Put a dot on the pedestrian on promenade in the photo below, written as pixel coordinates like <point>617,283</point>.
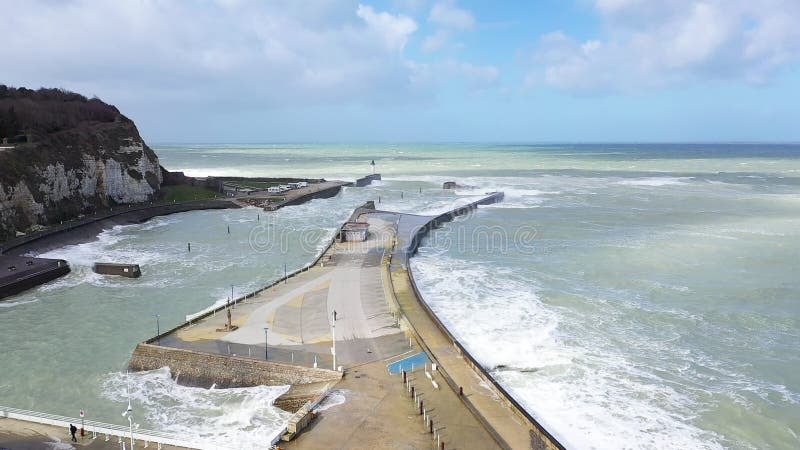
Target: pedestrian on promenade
<point>334,315</point>
<point>72,430</point>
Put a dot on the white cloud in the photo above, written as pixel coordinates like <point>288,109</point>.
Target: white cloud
<point>477,77</point>
<point>449,19</point>
<point>257,53</point>
<point>658,43</point>
<point>393,29</point>
<point>448,15</point>
<point>436,41</point>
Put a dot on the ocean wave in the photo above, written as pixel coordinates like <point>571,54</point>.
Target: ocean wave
<point>587,396</point>
<point>655,181</point>
<point>10,304</point>
<point>334,398</point>
<point>229,418</point>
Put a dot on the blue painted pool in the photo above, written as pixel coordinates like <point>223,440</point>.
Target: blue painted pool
<point>413,361</point>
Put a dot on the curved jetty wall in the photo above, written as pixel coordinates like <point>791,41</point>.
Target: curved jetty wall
<point>540,437</point>
<point>422,231</point>
<point>205,369</point>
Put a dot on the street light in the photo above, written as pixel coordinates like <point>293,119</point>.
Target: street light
<point>129,411</point>
<point>266,347</point>
<point>129,414</point>
<point>158,329</point>
<point>333,338</point>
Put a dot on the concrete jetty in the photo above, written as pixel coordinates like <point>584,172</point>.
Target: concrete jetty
<point>18,273</point>
<point>351,314</point>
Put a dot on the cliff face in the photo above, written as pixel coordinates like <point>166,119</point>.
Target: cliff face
<point>66,155</point>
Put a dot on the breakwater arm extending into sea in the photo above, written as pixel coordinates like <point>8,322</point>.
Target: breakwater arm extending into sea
<point>411,230</point>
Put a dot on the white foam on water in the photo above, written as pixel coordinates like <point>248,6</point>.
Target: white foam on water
<point>655,181</point>
<point>587,396</point>
<point>334,398</point>
<point>56,444</point>
<point>9,304</point>
<point>229,418</point>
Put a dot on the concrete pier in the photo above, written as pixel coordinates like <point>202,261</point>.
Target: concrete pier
<point>18,273</point>
<point>380,318</point>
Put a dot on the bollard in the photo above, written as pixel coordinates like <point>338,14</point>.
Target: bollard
<point>430,425</point>
<point>420,406</point>
<point>412,391</point>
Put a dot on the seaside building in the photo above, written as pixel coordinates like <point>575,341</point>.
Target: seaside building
<point>354,232</point>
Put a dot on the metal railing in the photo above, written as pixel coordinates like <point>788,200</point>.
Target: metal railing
<point>105,431</point>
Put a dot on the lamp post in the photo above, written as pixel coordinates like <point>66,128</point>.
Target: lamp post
<point>266,346</point>
<point>129,410</point>
<point>284,274</point>
<point>333,338</point>
<point>129,413</point>
<point>158,329</point>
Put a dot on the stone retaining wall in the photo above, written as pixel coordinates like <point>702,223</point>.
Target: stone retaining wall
<point>205,369</point>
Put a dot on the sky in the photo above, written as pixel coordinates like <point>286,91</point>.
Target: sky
<point>250,71</point>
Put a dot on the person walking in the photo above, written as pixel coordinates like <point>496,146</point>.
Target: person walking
<point>72,430</point>
<point>334,315</point>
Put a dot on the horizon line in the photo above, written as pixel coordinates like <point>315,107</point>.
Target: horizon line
<point>703,142</point>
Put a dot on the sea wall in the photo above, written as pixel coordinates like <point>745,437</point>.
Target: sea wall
<point>205,369</point>
<point>25,277</point>
<point>540,437</point>
<point>367,180</point>
<point>118,215</point>
<point>324,193</point>
<point>422,231</point>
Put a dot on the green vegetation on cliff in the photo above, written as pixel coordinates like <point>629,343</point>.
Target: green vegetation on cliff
<point>67,155</point>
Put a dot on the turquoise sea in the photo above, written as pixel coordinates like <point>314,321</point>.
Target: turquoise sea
<point>656,306</point>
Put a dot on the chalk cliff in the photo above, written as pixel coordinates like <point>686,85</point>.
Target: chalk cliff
<point>63,155</point>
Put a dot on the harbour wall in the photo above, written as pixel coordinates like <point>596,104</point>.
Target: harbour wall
<point>116,216</point>
<point>324,193</point>
<point>423,230</point>
<point>367,180</point>
<point>19,280</point>
<point>192,368</point>
<point>540,437</point>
